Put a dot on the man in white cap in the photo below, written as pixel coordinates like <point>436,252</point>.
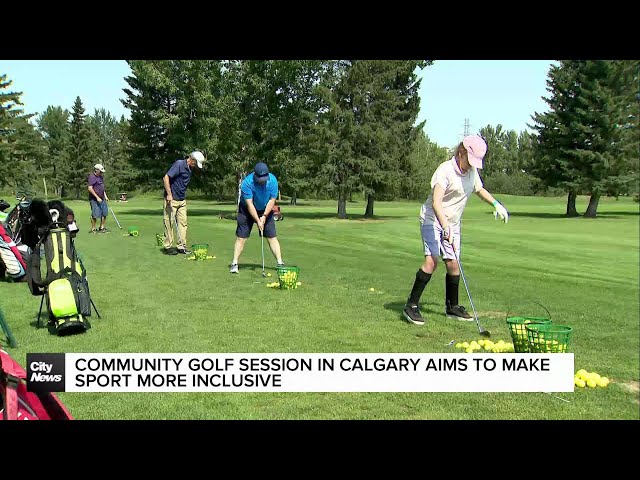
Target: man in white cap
<point>175,202</point>
<point>98,199</point>
<point>440,220</point>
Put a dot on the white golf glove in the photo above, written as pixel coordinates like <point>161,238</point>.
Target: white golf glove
<point>501,212</point>
<point>447,234</point>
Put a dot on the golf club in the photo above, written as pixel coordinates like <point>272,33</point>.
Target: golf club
<point>262,242</point>
<point>482,331</point>
<point>114,215</point>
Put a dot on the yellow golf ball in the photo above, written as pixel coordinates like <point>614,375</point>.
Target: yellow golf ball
<point>578,382</point>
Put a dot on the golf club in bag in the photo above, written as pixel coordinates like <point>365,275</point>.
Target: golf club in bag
<point>482,331</point>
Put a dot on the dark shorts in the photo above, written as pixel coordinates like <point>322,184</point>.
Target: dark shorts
<point>246,222</point>
<point>98,210</point>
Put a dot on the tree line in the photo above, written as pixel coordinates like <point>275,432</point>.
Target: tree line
<point>327,129</point>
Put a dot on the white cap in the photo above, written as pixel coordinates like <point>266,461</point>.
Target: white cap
<point>98,166</point>
<point>198,157</point>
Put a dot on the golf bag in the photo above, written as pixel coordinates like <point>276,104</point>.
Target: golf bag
<point>20,404</point>
<point>65,287</point>
<point>11,260</point>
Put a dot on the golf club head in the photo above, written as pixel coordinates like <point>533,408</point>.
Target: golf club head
<point>264,274</point>
<point>485,333</point>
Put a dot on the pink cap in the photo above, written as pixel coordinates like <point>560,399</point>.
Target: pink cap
<point>476,149</point>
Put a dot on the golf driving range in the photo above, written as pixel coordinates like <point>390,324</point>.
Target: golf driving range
<point>352,284</point>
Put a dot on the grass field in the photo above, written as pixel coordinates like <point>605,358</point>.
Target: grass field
<point>585,271</point>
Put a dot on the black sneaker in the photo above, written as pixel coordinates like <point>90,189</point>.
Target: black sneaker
<point>170,251</point>
<point>184,251</point>
<point>458,312</point>
<point>412,314</point>
<point>104,230</point>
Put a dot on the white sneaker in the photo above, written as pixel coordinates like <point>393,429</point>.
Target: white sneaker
<point>234,268</point>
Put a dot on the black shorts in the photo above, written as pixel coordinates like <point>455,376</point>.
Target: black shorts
<point>246,222</point>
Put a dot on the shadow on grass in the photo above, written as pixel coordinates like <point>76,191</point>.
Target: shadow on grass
<point>425,308</point>
<point>332,216</point>
<point>44,323</point>
<point>256,267</point>
<point>615,214</point>
<point>191,212</point>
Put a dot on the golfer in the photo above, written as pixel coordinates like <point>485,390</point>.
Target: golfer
<point>259,192</point>
<point>175,202</point>
<point>98,199</point>
<point>440,224</point>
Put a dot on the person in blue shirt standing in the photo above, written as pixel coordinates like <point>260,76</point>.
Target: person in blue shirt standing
<point>259,192</point>
<point>175,202</point>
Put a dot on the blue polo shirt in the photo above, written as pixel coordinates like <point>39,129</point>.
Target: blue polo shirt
<point>179,177</point>
<point>261,194</point>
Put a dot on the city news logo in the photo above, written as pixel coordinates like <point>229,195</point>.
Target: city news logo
<point>45,372</point>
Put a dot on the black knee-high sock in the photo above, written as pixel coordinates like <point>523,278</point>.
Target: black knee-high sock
<point>419,285</point>
<point>452,284</point>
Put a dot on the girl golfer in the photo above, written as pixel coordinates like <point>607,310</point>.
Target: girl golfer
<point>440,219</point>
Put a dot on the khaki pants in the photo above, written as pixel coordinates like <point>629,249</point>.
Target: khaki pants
<point>177,209</point>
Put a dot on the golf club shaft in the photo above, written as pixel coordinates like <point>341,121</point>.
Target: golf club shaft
<point>475,315</point>
<point>262,242</point>
<point>464,280</point>
<point>114,215</point>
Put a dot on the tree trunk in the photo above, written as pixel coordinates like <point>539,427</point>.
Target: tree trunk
<point>593,206</point>
<point>342,205</point>
<point>369,211</point>
<point>571,205</point>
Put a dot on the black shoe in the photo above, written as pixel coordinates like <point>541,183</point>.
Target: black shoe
<point>93,231</point>
<point>184,251</point>
<point>458,312</point>
<point>412,314</point>
<point>170,251</point>
<point>104,230</point>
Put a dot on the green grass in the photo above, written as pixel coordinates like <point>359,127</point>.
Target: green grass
<point>585,271</point>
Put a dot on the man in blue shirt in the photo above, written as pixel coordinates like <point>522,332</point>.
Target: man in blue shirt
<point>259,192</point>
<point>175,202</point>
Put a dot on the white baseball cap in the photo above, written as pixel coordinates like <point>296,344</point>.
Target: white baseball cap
<point>98,166</point>
<point>198,157</point>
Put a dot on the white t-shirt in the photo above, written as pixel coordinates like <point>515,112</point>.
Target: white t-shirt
<point>457,187</point>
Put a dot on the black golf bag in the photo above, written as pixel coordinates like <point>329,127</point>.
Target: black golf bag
<point>65,287</point>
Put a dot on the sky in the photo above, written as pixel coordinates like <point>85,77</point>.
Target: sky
<point>484,92</point>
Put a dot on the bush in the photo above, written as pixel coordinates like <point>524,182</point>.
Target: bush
<point>512,184</point>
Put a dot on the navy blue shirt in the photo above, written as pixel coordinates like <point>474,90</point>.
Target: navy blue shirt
<point>179,177</point>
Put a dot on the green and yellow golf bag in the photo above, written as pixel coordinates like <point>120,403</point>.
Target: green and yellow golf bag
<point>65,287</point>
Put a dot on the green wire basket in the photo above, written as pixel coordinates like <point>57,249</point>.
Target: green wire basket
<point>517,327</point>
<point>288,277</point>
<point>547,338</point>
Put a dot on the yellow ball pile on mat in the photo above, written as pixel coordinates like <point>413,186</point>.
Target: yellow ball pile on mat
<point>486,346</point>
<point>582,379</point>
